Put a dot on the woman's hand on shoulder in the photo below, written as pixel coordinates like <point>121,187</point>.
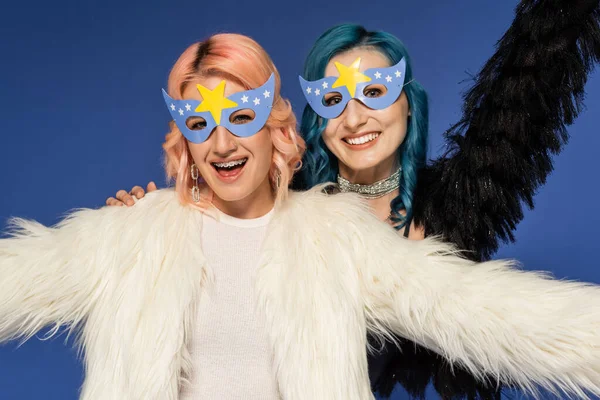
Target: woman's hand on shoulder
<point>126,198</point>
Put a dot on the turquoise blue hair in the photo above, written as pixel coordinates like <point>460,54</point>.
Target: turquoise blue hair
<point>319,164</point>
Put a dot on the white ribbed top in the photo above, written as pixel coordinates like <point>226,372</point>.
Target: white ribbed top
<point>231,354</point>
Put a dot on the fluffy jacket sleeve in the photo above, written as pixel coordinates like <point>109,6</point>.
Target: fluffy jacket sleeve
<point>53,275</point>
<point>48,275</point>
<point>520,327</point>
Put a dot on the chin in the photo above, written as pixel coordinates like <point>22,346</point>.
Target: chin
<point>367,161</point>
<point>359,164</point>
<point>232,194</point>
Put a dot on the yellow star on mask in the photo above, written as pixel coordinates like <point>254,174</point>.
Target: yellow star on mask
<point>349,76</point>
<point>214,101</point>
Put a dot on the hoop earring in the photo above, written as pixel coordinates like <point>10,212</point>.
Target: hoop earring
<point>195,189</point>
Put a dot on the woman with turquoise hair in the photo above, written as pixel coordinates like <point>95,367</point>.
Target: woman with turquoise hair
<point>514,118</point>
<point>378,150</point>
<point>366,127</point>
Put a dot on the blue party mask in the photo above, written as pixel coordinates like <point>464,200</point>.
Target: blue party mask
<point>351,84</point>
<point>216,110</point>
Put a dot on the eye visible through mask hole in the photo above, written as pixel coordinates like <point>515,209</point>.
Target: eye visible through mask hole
<point>241,117</point>
<point>376,90</point>
<point>331,99</point>
<point>195,123</point>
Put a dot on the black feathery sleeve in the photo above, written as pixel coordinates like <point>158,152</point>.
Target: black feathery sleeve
<point>514,119</point>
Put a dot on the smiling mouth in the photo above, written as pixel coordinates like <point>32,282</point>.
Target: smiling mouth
<point>229,170</point>
<point>229,165</point>
<point>362,139</point>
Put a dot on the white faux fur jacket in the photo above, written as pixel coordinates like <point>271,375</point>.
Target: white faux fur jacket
<point>130,278</point>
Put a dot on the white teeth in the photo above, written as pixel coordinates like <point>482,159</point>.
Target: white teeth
<point>362,139</point>
<point>230,164</point>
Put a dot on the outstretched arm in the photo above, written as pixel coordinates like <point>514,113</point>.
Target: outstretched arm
<point>519,327</point>
<point>50,275</point>
<point>514,119</point>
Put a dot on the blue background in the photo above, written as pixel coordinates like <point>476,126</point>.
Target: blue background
<point>82,116</point>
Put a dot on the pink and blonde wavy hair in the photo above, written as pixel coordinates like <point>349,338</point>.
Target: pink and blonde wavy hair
<point>240,59</point>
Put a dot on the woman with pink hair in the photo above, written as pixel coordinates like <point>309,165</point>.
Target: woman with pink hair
<point>228,286</point>
<point>370,135</point>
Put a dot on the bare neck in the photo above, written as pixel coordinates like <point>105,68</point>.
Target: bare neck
<point>255,205</point>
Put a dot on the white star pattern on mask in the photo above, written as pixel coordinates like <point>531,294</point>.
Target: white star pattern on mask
<point>172,106</point>
<point>325,85</point>
<point>180,111</point>
<point>317,92</point>
<point>398,74</point>
<point>266,94</point>
<point>256,101</point>
<point>388,78</point>
<point>244,99</point>
<point>308,90</point>
<point>188,107</point>
<point>377,75</point>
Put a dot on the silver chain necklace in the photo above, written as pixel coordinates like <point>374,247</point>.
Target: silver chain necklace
<point>373,190</point>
